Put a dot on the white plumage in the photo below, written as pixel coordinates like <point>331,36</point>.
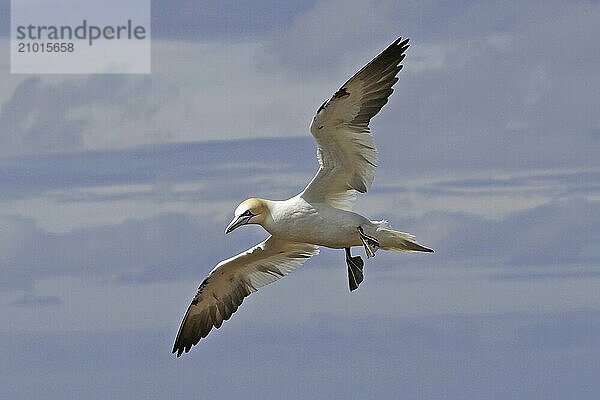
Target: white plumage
<point>321,215</point>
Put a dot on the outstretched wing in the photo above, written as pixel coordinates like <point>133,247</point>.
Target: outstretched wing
<point>346,151</point>
<point>222,292</point>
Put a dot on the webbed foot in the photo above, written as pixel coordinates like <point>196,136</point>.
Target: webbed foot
<point>355,270</point>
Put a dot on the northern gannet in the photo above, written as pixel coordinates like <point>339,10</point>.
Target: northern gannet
<point>321,215</point>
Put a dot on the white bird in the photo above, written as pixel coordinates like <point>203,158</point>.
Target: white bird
<point>321,215</point>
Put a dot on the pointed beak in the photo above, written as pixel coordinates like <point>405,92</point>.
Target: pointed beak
<point>237,222</point>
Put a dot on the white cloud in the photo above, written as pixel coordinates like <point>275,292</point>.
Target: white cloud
<point>200,91</point>
<point>332,36</point>
<point>491,97</point>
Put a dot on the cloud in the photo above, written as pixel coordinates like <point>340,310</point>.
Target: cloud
<point>213,20</point>
<point>56,116</point>
<point>446,357</point>
<point>556,233</point>
<point>489,96</point>
<point>485,85</point>
<point>170,246</point>
<point>4,18</point>
<point>222,20</point>
<point>320,39</point>
<point>202,91</point>
<point>28,123</point>
<point>73,175</point>
<point>141,247</point>
<point>492,86</point>
<point>34,301</point>
<point>132,251</point>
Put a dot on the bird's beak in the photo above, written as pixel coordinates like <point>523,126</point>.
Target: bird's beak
<point>237,222</point>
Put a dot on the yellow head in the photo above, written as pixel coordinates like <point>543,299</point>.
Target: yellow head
<point>251,211</point>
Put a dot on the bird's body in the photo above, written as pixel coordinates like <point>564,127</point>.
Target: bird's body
<point>321,215</point>
<point>320,224</point>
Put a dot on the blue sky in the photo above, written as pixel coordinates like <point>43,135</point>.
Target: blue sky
<point>116,190</point>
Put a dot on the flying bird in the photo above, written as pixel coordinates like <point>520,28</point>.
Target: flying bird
<point>321,215</point>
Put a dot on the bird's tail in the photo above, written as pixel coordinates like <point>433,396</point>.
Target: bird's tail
<point>390,239</point>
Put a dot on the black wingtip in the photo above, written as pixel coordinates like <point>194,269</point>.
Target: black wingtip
<point>181,350</point>
<point>176,347</point>
<point>403,44</point>
<point>400,41</point>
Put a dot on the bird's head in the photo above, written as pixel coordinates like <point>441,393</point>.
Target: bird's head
<point>251,211</point>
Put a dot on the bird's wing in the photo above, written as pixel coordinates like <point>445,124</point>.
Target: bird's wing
<point>222,292</point>
<point>346,152</point>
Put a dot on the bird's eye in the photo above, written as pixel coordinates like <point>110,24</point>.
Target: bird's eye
<point>247,213</point>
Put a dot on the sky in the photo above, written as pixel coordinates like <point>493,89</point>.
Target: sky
<point>116,190</point>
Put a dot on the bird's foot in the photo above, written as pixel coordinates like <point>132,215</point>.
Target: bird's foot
<point>355,270</point>
<point>370,244</point>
